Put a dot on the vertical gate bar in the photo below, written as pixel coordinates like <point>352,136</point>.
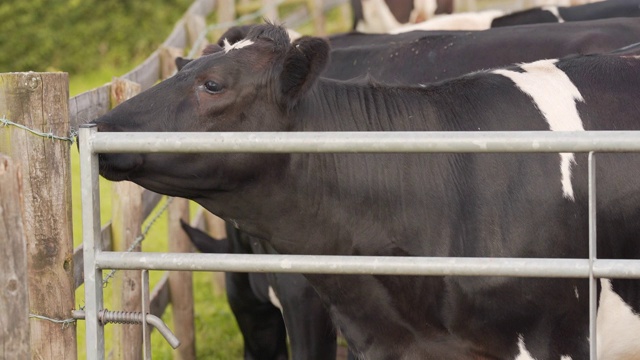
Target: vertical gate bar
<point>92,243</point>
<point>146,329</point>
<point>592,256</point>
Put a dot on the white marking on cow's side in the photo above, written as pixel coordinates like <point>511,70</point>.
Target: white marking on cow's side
<point>239,45</point>
<point>461,21</point>
<point>618,326</point>
<point>575,291</point>
<point>523,353</point>
<point>423,10</point>
<point>554,11</point>
<point>274,299</point>
<point>555,96</point>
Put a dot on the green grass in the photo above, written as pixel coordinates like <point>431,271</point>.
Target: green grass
<point>217,335</point>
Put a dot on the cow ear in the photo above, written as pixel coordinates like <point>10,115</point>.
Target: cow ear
<point>303,63</point>
<point>235,34</point>
<point>181,62</point>
<point>211,49</point>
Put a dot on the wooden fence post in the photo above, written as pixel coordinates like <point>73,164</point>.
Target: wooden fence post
<point>181,282</point>
<point>346,16</point>
<point>168,55</point>
<point>40,101</point>
<point>270,10</point>
<point>316,10</point>
<point>226,12</point>
<point>126,219</point>
<point>216,228</point>
<point>196,25</point>
<point>14,292</point>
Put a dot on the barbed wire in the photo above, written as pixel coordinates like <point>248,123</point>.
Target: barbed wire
<point>139,238</point>
<point>242,19</point>
<point>71,138</point>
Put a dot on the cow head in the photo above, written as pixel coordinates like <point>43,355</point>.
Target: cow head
<point>252,85</point>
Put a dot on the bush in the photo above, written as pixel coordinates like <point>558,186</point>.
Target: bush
<point>82,35</point>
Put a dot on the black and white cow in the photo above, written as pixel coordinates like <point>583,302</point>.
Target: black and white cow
<point>255,301</point>
<point>553,14</point>
<point>547,14</point>
<point>380,16</point>
<point>428,56</point>
<point>525,205</point>
<point>423,57</point>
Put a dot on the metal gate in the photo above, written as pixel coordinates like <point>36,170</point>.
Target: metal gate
<point>95,260</point>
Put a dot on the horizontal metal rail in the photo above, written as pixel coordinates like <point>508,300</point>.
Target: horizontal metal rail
<point>370,142</point>
<point>349,142</point>
<point>382,265</point>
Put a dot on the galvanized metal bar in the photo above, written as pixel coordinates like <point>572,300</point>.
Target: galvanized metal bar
<point>370,142</point>
<point>92,244</point>
<point>146,329</point>
<point>593,285</point>
<point>389,265</point>
<point>384,265</point>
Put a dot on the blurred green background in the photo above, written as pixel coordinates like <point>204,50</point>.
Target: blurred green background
<point>78,36</point>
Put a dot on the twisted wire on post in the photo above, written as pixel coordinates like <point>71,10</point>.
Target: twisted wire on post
<point>71,138</point>
<point>140,237</point>
<point>64,322</point>
<point>244,18</point>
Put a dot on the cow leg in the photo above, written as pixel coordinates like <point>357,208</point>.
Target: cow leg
<point>261,324</point>
<point>311,331</point>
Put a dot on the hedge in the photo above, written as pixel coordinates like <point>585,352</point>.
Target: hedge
<point>82,35</point>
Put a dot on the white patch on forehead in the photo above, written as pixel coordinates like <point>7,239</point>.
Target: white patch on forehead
<point>274,299</point>
<point>554,11</point>
<point>575,291</point>
<point>618,326</point>
<point>555,96</point>
<point>239,45</point>
<point>523,353</point>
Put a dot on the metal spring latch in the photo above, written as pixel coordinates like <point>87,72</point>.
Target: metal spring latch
<point>130,317</point>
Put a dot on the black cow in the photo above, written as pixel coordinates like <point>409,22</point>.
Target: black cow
<point>474,205</point>
<point>553,14</point>
<point>422,57</point>
<point>255,301</point>
<point>428,56</point>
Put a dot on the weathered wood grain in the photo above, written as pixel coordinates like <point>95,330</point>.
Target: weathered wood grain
<point>40,102</point>
<point>14,292</point>
<point>181,282</point>
<point>126,220</point>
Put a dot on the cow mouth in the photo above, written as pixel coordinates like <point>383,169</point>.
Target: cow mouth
<point>118,167</point>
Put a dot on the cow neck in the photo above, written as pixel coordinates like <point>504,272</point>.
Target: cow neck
<point>342,106</point>
<point>317,195</point>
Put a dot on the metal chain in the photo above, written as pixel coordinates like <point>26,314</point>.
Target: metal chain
<point>72,136</point>
<point>140,237</point>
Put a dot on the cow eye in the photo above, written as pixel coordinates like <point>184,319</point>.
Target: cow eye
<point>212,87</point>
